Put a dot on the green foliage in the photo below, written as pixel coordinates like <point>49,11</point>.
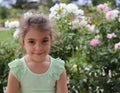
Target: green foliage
<point>77,72</point>
<point>43,9</point>
<point>8,52</point>
<point>64,1</point>
<point>96,2</point>
<point>1,22</point>
<point>4,12</point>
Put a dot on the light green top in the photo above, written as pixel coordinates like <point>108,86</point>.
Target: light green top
<point>37,83</point>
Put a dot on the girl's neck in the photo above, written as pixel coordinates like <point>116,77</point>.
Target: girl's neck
<point>29,59</point>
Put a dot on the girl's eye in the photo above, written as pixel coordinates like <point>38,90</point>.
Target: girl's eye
<point>32,42</point>
<point>45,41</point>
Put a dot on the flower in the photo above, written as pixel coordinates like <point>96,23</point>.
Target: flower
<point>102,8</point>
<point>75,23</point>
<point>27,14</point>
<point>111,35</point>
<point>119,19</point>
<point>12,24</point>
<point>58,11</point>
<point>62,10</point>
<point>71,8</point>
<point>117,45</point>
<point>68,14</point>
<point>90,27</point>
<point>7,23</point>
<point>74,67</point>
<point>112,14</point>
<point>15,34</point>
<point>94,42</point>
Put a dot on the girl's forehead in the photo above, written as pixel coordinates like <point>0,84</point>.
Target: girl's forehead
<point>37,34</point>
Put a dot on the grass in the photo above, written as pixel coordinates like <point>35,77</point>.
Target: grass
<point>6,35</point>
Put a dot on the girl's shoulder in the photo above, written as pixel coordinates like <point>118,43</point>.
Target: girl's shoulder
<point>17,67</point>
<point>16,63</point>
<point>57,67</point>
<point>58,62</point>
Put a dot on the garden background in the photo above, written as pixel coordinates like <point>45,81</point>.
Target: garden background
<point>88,41</point>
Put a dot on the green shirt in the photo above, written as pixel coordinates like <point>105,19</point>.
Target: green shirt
<point>37,83</point>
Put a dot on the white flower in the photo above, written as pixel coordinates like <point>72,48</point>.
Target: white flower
<point>75,23</point>
<point>58,6</point>
<point>83,22</point>
<point>110,73</point>
<point>57,11</point>
<point>62,10</point>
<point>103,72</point>
<point>90,27</point>
<point>7,24</point>
<point>102,90</point>
<point>15,34</point>
<point>88,68</point>
<point>97,31</point>
<point>108,81</point>
<point>71,8</point>
<point>27,14</point>
<point>79,12</point>
<point>119,19</point>
<point>12,24</point>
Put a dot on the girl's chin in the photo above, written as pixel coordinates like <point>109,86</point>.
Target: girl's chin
<point>39,56</point>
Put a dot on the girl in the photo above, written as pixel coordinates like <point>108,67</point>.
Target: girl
<point>37,71</point>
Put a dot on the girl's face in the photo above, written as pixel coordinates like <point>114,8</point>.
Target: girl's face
<point>37,44</point>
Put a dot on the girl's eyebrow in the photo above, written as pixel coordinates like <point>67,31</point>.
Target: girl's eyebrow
<point>34,39</point>
<point>45,38</point>
<point>31,39</point>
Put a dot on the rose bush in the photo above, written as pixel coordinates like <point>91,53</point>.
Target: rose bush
<point>71,23</point>
<point>90,45</point>
<point>106,55</point>
<point>74,29</point>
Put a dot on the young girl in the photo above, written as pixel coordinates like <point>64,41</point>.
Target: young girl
<point>37,71</point>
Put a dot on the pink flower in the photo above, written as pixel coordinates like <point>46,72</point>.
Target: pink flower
<point>117,45</point>
<point>110,36</point>
<point>94,42</point>
<point>111,15</point>
<point>102,8</point>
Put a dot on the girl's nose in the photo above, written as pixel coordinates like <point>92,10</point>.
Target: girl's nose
<point>38,47</point>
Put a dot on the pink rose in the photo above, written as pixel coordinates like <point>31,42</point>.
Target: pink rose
<point>94,42</point>
<point>111,35</point>
<point>111,15</point>
<point>117,45</point>
<point>102,7</point>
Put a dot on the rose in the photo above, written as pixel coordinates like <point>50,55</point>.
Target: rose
<point>112,14</point>
<point>110,36</point>
<point>94,42</point>
<point>117,45</point>
<point>12,24</point>
<point>102,8</point>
